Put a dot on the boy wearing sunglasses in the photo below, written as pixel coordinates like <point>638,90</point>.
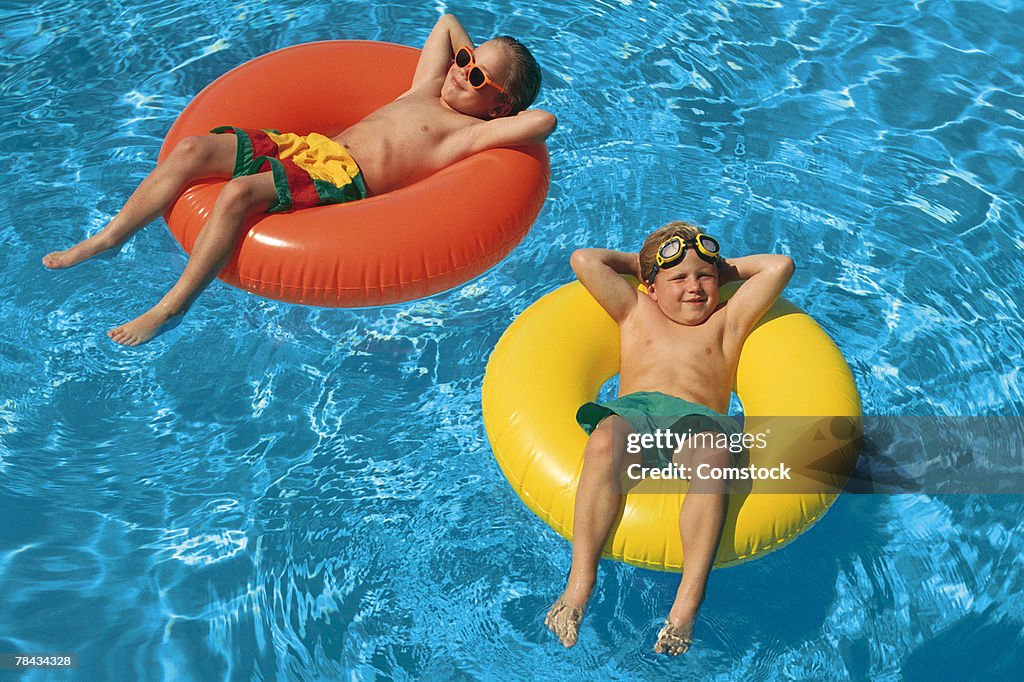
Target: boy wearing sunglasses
<point>680,346</point>
<point>462,100</point>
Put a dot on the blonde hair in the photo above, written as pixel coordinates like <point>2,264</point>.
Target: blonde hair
<point>523,77</point>
<point>649,251</point>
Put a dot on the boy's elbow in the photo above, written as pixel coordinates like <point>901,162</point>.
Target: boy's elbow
<point>548,123</point>
<point>449,21</point>
<point>785,266</point>
<point>579,259</point>
<point>542,124</point>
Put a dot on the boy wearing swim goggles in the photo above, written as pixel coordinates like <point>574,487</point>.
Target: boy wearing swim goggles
<point>680,345</point>
<point>462,100</point>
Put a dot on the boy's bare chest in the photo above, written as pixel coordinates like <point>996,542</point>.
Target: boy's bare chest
<point>689,362</point>
<point>402,142</point>
<point>677,344</point>
<point>412,120</point>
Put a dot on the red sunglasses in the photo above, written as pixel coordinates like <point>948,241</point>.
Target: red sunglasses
<point>477,77</point>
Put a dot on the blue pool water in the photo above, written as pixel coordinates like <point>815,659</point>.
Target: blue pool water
<point>280,492</point>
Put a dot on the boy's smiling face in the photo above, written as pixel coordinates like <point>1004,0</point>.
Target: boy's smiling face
<point>487,102</point>
<point>687,293</point>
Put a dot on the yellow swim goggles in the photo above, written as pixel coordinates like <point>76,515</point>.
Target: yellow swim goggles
<point>673,250</point>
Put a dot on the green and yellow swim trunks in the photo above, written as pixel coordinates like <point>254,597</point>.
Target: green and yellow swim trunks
<point>309,170</point>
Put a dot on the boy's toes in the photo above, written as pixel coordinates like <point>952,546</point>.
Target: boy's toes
<point>674,639</point>
<point>121,336</point>
<point>564,621</point>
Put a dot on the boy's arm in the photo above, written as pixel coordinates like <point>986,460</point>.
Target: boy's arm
<point>600,270</point>
<point>439,50</point>
<point>766,276</point>
<point>526,127</point>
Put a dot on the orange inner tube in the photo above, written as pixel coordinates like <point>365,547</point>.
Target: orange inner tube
<point>398,246</point>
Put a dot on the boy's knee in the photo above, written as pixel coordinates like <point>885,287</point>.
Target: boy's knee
<point>239,195</point>
<point>713,458</point>
<point>194,147</point>
<point>607,444</point>
<point>710,465</point>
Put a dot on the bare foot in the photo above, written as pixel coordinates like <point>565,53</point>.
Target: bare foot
<point>564,620</point>
<point>674,639</point>
<point>83,250</point>
<point>144,327</point>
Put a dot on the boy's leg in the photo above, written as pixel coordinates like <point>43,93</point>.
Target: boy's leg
<point>192,158</point>
<point>599,499</point>
<point>239,198</point>
<point>700,526</point>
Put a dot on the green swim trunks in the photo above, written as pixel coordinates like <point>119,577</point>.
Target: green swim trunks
<point>649,412</point>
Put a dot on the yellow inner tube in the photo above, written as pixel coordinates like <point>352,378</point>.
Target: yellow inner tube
<point>793,383</point>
